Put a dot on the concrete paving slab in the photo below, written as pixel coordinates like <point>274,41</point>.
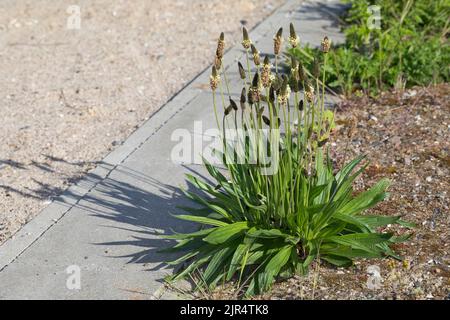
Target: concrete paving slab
<point>106,227</point>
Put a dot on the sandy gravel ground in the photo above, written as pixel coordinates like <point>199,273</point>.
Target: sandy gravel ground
<point>68,95</point>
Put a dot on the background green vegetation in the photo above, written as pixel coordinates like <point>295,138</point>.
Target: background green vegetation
<point>410,48</point>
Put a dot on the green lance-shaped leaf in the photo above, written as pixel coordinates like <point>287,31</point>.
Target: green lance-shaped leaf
<point>225,233</point>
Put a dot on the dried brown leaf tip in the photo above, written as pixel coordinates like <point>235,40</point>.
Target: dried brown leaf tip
<point>246,42</point>
<point>214,79</point>
<point>277,41</point>
<point>326,45</point>
<point>256,57</point>
<point>294,40</point>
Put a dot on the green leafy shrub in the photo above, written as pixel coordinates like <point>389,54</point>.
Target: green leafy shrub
<point>410,48</point>
<point>258,225</point>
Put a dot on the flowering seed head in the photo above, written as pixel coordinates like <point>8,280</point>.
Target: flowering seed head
<point>266,76</point>
<point>246,42</point>
<point>277,41</point>
<point>279,33</point>
<point>253,95</point>
<point>266,120</point>
<point>292,32</point>
<point>255,81</point>
<point>220,46</point>
<point>214,79</point>
<point>285,91</point>
<point>309,93</point>
<point>218,62</point>
<point>294,40</point>
<point>255,53</point>
<point>326,44</point>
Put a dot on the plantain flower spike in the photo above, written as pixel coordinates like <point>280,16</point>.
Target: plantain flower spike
<point>277,41</point>
<point>309,92</point>
<point>218,62</point>
<point>266,78</point>
<point>254,93</point>
<point>246,42</point>
<point>214,79</point>
<point>326,44</point>
<point>220,46</point>
<point>285,91</point>
<point>266,120</point>
<point>256,57</point>
<point>294,40</point>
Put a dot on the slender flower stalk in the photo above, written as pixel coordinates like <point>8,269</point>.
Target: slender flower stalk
<point>247,44</point>
<point>214,80</point>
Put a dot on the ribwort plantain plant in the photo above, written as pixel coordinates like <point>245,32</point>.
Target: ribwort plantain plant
<point>256,223</point>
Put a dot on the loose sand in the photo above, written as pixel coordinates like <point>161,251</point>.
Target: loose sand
<point>68,96</point>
